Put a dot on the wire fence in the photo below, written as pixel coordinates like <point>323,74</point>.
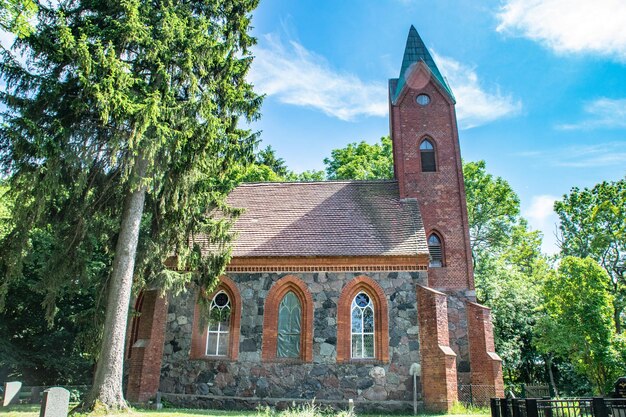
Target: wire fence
<point>476,395</point>
<point>572,407</point>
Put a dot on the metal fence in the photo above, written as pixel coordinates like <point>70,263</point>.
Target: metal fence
<point>579,407</point>
<point>478,395</point>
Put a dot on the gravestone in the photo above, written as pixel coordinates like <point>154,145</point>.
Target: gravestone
<point>35,395</point>
<point>12,393</point>
<point>55,403</point>
<point>620,388</point>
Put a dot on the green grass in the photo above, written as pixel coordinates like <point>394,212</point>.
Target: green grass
<point>305,411</point>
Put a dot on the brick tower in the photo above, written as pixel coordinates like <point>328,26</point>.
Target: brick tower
<point>458,345</point>
<point>427,163</point>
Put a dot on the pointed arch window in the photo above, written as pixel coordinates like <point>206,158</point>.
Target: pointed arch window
<point>435,248</point>
<point>288,322</point>
<point>362,327</point>
<point>289,327</point>
<point>218,332</point>
<point>217,336</point>
<point>427,155</point>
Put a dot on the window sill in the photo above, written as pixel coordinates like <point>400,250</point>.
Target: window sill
<point>293,361</point>
<point>353,361</point>
<point>207,358</point>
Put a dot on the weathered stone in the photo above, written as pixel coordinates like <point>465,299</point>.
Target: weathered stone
<point>55,402</point>
<point>327,349</point>
<point>12,393</point>
<point>413,330</point>
<point>375,393</point>
<point>181,320</point>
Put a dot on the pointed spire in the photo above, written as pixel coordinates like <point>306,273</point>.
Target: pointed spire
<point>414,52</point>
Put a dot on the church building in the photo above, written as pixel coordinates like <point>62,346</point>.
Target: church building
<point>337,290</point>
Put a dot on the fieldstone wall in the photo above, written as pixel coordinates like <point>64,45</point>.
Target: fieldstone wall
<point>323,378</point>
<point>457,325</point>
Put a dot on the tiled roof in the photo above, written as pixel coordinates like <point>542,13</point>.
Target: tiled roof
<point>414,52</point>
<point>330,218</point>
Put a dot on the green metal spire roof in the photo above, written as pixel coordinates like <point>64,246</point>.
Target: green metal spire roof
<point>414,52</point>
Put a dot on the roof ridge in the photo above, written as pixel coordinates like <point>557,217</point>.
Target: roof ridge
<point>261,183</point>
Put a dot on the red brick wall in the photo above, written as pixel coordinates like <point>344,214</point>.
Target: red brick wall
<point>440,194</point>
<point>381,319</point>
<point>147,351</point>
<point>270,318</point>
<point>486,365</point>
<point>439,379</point>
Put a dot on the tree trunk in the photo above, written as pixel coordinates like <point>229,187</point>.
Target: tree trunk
<point>107,385</point>
<point>551,376</point>
<point>617,317</point>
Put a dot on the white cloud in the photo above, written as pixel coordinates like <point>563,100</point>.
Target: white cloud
<point>602,113</point>
<point>582,156</point>
<point>569,26</point>
<point>541,216</point>
<point>475,105</point>
<point>297,76</point>
<point>300,77</point>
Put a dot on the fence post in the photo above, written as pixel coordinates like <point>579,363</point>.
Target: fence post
<point>516,410</point>
<point>495,410</point>
<point>504,407</point>
<point>547,411</point>
<point>524,394</point>
<point>471,395</point>
<point>599,407</point>
<point>531,407</point>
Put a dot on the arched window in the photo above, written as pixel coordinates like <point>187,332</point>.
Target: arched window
<point>362,329</point>
<point>362,322</point>
<point>219,325</point>
<point>427,155</point>
<point>436,250</point>
<point>289,326</point>
<point>288,321</point>
<point>217,336</point>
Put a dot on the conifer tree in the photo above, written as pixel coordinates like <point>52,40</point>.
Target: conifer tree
<point>120,121</point>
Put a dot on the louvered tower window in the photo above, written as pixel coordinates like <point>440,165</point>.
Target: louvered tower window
<point>427,155</point>
<point>436,251</point>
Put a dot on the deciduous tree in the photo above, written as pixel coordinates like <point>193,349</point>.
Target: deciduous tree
<point>577,321</point>
<point>593,224</point>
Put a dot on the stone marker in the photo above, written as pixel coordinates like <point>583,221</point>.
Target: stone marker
<point>12,393</point>
<point>55,403</point>
<point>35,395</point>
<point>620,388</point>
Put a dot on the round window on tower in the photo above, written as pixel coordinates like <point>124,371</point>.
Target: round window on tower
<point>422,99</point>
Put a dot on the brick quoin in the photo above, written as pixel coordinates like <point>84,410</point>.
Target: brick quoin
<point>199,332</point>
<point>440,194</point>
<point>147,351</point>
<point>344,317</point>
<point>486,365</point>
<point>439,378</point>
<point>270,318</point>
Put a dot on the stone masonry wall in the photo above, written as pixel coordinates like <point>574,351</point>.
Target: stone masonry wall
<point>367,382</point>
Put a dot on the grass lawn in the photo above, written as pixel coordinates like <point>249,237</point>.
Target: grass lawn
<point>33,411</point>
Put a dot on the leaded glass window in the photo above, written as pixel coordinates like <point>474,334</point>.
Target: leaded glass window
<point>427,155</point>
<point>219,325</point>
<point>289,327</point>
<point>362,312</point>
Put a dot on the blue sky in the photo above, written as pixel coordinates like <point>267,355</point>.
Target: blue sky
<point>540,84</point>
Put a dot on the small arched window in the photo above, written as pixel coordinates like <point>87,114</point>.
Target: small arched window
<point>362,331</point>
<point>219,326</point>
<point>289,327</point>
<point>436,251</point>
<point>427,155</point>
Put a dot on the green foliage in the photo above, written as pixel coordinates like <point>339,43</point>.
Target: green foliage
<point>593,224</point>
<point>492,209</point>
<point>126,85</point>
<point>361,161</point>
<point>577,321</point>
<point>15,16</point>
